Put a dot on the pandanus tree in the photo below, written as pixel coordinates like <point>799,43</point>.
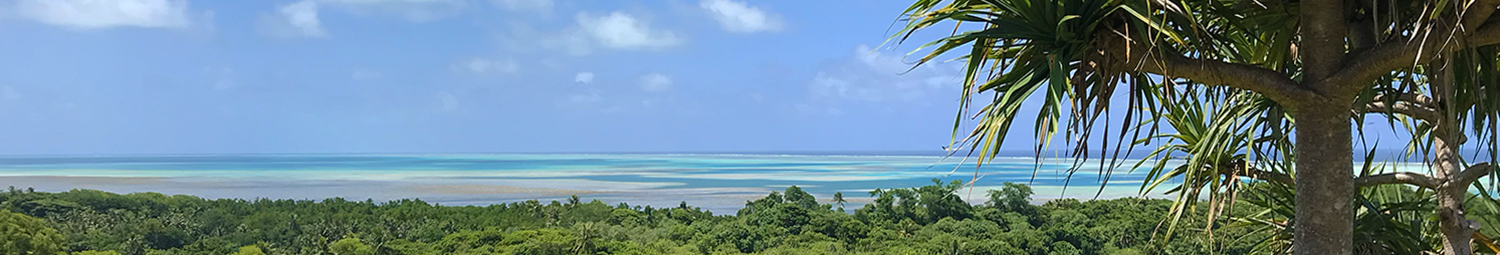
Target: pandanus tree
<point>1231,148</point>
<point>1441,105</point>
<point>1317,59</point>
<point>1215,144</point>
<point>1220,142</point>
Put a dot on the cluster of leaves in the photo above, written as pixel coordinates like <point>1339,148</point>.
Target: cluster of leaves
<point>932,219</point>
<point>1218,73</point>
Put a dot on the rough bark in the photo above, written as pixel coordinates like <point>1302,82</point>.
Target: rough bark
<point>1415,179</point>
<point>1325,187</point>
<point>1405,108</point>
<point>1451,188</point>
<point>1324,221</point>
<point>1143,56</point>
<point>1378,61</point>
<point>1455,226</point>
<point>1321,103</point>
<point>1239,168</point>
<point>1322,43</point>
<point>1476,171</point>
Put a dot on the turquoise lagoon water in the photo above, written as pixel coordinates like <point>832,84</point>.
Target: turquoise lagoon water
<point>721,183</point>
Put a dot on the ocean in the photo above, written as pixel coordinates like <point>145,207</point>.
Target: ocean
<point>718,182</point>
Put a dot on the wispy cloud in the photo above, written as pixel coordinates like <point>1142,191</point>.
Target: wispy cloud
<point>619,30</point>
<point>298,19</point>
<point>100,14</point>
<point>488,66</point>
<point>525,5</point>
<point>584,77</point>
<point>301,19</point>
<point>656,82</point>
<point>587,97</point>
<point>873,76</point>
<point>414,10</point>
<point>448,102</point>
<point>739,17</point>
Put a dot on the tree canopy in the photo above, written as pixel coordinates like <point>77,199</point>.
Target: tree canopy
<point>21,234</point>
<point>1317,61</point>
<point>930,219</point>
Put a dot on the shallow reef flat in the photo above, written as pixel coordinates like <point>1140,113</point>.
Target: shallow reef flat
<point>718,182</point>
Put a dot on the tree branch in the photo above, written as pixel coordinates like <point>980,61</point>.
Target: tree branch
<point>1405,108</point>
<point>1258,174</point>
<point>1272,84</point>
<point>1418,179</point>
<point>1479,11</point>
<point>1119,52</point>
<point>1414,98</point>
<point>1379,61</point>
<point>1239,167</point>
<point>1474,172</point>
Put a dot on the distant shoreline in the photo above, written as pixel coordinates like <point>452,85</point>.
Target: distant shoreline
<point>714,181</point>
<point>1137,154</point>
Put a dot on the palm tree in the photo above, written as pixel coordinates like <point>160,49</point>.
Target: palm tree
<point>838,198</point>
<point>1315,58</point>
<point>589,234</point>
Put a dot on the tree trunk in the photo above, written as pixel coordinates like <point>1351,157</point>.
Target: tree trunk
<point>1451,188</point>
<point>1450,197</point>
<point>1324,221</point>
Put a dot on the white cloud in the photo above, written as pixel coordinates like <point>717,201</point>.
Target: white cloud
<point>525,5</point>
<point>448,101</point>
<point>485,66</point>
<point>623,31</point>
<point>298,19</point>
<point>739,17</point>
<point>824,84</point>
<point>588,97</point>
<point>414,10</point>
<point>584,77</point>
<point>656,82</point>
<point>592,33</point>
<point>876,77</point>
<point>387,1</point>
<point>99,14</point>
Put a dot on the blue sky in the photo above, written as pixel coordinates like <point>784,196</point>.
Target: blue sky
<point>438,76</point>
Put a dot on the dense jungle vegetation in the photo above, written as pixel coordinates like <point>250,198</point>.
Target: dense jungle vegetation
<point>924,220</point>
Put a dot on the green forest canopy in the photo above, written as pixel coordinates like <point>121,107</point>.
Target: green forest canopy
<point>924,220</point>
<point>932,219</point>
